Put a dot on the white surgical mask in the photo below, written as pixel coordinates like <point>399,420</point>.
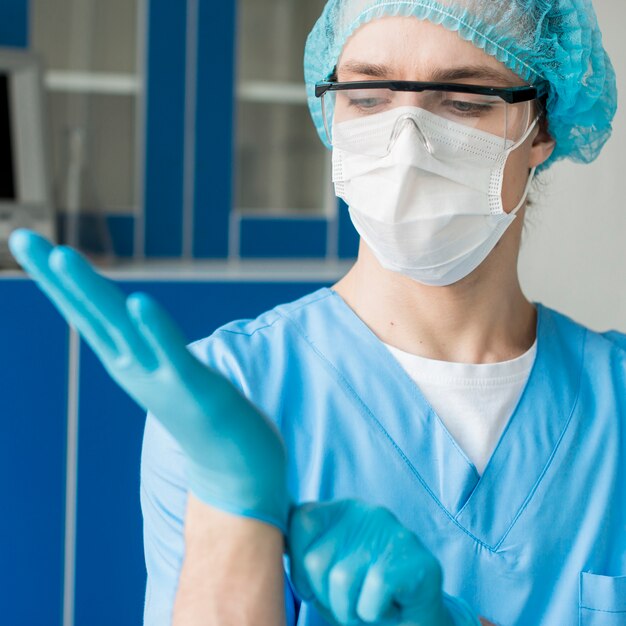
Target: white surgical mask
<point>432,208</point>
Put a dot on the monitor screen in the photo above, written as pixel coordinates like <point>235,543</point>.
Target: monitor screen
<point>7,167</point>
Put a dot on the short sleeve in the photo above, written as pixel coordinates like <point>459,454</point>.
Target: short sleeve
<point>617,338</point>
<point>163,503</point>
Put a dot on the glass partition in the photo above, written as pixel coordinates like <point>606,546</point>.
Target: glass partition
<point>92,52</point>
<point>282,168</point>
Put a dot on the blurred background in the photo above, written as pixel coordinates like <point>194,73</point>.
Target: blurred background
<point>171,142</point>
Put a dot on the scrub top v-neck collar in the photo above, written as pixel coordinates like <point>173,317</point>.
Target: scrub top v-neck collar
<point>486,507</point>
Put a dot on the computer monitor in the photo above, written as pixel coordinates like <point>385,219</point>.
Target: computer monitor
<point>25,199</point>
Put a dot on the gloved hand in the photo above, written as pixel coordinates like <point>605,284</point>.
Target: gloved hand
<point>359,565</point>
<point>237,460</point>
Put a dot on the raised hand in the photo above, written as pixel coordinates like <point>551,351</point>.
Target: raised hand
<point>359,565</point>
<point>237,460</point>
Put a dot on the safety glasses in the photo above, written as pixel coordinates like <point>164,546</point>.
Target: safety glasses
<point>504,113</point>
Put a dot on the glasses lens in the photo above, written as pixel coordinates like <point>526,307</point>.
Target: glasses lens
<point>347,112</point>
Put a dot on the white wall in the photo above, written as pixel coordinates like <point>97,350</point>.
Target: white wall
<point>574,253</point>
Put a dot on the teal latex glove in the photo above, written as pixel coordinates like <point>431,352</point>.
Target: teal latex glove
<point>237,460</point>
<point>359,565</point>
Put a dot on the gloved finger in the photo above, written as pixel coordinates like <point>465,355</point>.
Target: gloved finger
<point>307,522</point>
<point>319,559</point>
<point>311,549</point>
<point>158,330</point>
<point>406,575</point>
<point>375,602</point>
<point>33,253</point>
<point>214,407</point>
<point>102,301</point>
<point>344,585</point>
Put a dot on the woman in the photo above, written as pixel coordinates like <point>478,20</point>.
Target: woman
<point>424,382</point>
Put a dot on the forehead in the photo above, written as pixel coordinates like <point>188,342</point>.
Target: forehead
<point>413,49</point>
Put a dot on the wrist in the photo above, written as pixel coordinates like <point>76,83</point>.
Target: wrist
<point>232,572</point>
<point>240,495</point>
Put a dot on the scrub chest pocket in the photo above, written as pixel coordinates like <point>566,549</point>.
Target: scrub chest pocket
<point>602,600</point>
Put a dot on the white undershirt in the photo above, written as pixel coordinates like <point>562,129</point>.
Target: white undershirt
<point>474,402</point>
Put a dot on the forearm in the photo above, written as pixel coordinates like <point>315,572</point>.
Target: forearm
<point>232,573</point>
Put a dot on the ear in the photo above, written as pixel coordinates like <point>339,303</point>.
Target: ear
<point>543,145</point>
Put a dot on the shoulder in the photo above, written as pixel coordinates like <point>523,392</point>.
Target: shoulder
<point>600,343</point>
<point>602,358</point>
<point>243,348</point>
<point>607,345</point>
<point>613,353</point>
<point>605,361</point>
<point>617,340</point>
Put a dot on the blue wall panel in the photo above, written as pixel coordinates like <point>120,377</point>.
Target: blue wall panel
<point>14,23</point>
<point>214,127</point>
<point>110,575</point>
<point>33,381</point>
<point>110,571</point>
<point>283,238</point>
<point>165,125</point>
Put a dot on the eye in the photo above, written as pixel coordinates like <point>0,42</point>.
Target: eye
<point>366,103</point>
<point>464,106</point>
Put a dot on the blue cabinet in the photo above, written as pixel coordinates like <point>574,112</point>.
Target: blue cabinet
<point>110,571</point>
<point>33,379</point>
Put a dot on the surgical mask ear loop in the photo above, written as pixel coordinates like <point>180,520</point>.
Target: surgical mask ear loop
<point>525,136</point>
<point>532,171</point>
<point>526,192</point>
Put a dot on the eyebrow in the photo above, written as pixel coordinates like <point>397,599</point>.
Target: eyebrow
<point>465,72</point>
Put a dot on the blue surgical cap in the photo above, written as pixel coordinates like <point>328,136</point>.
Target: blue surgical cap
<point>552,42</point>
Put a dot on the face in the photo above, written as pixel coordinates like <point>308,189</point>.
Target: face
<point>405,48</point>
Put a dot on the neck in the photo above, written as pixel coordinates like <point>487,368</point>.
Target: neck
<point>484,318</point>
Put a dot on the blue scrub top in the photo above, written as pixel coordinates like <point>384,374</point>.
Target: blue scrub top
<point>539,538</point>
